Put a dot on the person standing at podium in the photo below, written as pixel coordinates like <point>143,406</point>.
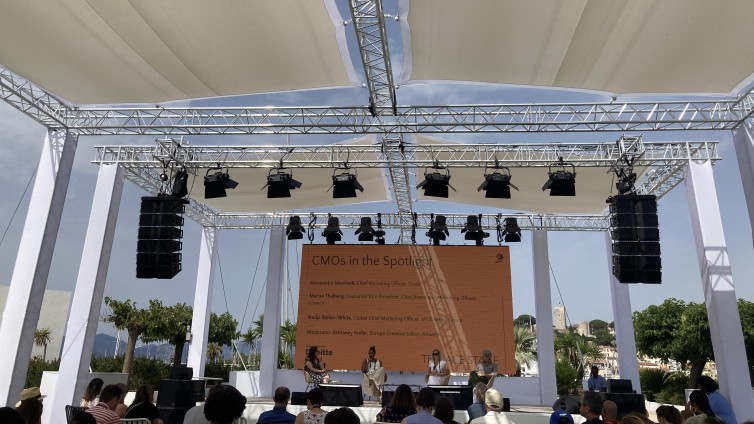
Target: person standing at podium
<point>374,375</point>
<point>438,370</point>
<point>596,382</point>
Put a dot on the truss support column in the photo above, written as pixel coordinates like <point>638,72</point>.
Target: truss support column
<point>743,140</point>
<point>273,297</point>
<point>392,146</point>
<point>625,341</point>
<point>87,296</point>
<point>32,267</point>
<point>205,278</point>
<point>719,291</point>
<point>543,305</point>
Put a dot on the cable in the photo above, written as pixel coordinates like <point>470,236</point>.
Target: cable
<point>565,311</point>
<point>253,280</point>
<point>222,282</point>
<point>19,204</point>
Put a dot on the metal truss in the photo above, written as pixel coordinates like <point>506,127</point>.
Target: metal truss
<point>31,100</point>
<point>489,222</point>
<point>393,153</point>
<point>368,21</point>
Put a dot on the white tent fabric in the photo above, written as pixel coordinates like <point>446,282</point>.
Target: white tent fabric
<point>145,51</point>
<point>616,46</point>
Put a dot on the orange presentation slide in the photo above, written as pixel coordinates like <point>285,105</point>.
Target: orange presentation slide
<point>406,300</point>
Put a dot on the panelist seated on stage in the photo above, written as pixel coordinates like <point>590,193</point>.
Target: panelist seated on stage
<point>374,374</point>
<point>438,373</point>
<point>317,370</point>
<point>485,371</point>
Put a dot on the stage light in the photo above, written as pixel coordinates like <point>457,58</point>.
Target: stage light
<point>180,184</point>
<point>280,183</point>
<point>512,231</point>
<point>561,182</point>
<point>436,183</point>
<point>294,230</point>
<point>626,181</point>
<point>497,185</point>
<point>344,185</point>
<point>365,230</point>
<point>437,229</point>
<point>473,230</point>
<point>332,232</point>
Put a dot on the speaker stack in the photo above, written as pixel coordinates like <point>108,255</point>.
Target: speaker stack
<point>159,246</point>
<point>636,239</point>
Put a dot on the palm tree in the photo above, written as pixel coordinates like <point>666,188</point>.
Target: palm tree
<point>258,327</point>
<point>288,337</point>
<point>214,351</point>
<point>249,338</point>
<point>574,348</point>
<point>43,337</point>
<point>525,342</point>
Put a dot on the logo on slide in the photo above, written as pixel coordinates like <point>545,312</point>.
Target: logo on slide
<point>500,258</point>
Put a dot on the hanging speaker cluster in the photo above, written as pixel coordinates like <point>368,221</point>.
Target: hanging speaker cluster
<point>636,239</point>
<point>159,246</point>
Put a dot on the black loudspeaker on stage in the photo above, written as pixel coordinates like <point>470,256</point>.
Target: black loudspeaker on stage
<point>175,397</point>
<point>569,403</point>
<point>158,247</point>
<point>636,239</point>
<point>462,396</point>
<point>298,398</point>
<point>341,394</point>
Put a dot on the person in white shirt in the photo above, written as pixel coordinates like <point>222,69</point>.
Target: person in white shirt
<point>438,369</point>
<point>596,382</point>
<point>374,374</point>
<point>493,403</point>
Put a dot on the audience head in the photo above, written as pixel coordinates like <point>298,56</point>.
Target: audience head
<point>668,414</point>
<point>144,394</point>
<point>713,420</point>
<point>479,391</point>
<point>83,417</point>
<point>699,401</point>
<point>342,416</point>
<point>426,398</point>
<point>609,410</point>
<point>591,405</point>
<point>123,392</point>
<point>403,399</point>
<point>9,415</point>
<point>225,405</point>
<point>31,410</point>
<point>444,410</point>
<point>493,400</point>
<point>93,389</point>
<point>634,418</point>
<point>315,397</point>
<point>110,394</point>
<point>312,354</point>
<point>282,395</point>
<point>707,384</point>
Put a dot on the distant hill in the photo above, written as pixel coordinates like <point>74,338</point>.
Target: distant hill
<point>104,345</point>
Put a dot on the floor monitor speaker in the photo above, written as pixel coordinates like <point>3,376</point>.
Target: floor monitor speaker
<point>342,394</point>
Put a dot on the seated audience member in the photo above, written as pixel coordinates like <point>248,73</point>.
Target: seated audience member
<point>476,409</point>
<point>437,370</point>
<point>121,407</point>
<point>485,371</point>
<point>668,414</point>
<point>91,394</point>
<point>83,418</point>
<point>224,406</point>
<point>374,374</point>
<point>30,393</point>
<point>401,405</point>
<point>342,416</point>
<point>9,415</point>
<point>561,416</point>
<point>596,382</point>
<point>315,368</point>
<point>444,410</point>
<point>31,410</point>
<point>195,415</point>
<point>717,402</point>
<point>636,418</point>
<point>278,414</point>
<point>609,412</point>
<point>425,403</point>
<point>142,406</point>
<point>493,404</point>
<point>591,407</point>
<point>314,414</point>
<point>699,406</point>
<point>713,420</point>
<point>104,411</point>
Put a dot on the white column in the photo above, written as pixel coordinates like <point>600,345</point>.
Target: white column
<point>87,296</point>
<point>743,140</point>
<point>548,389</point>
<point>272,300</point>
<point>625,341</point>
<point>32,266</point>
<point>719,291</point>
<point>205,278</point>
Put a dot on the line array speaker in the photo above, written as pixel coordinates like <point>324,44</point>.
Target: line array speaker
<point>158,247</point>
<point>636,239</point>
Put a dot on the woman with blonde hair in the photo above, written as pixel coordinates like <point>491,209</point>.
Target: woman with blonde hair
<point>438,369</point>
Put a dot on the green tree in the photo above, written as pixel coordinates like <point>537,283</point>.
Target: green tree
<point>567,377</point>
<point>525,320</point>
<point>259,326</point>
<point>171,323</point>
<point>214,352</point>
<point>43,337</point>
<point>525,342</point>
<point>597,325</point>
<point>573,348</point>
<point>288,337</point>
<point>124,315</point>
<point>603,338</point>
<point>249,338</point>
<point>746,311</point>
<point>222,329</point>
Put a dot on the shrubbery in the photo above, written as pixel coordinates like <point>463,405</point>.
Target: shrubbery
<point>652,382</point>
<point>36,367</point>
<point>566,377</point>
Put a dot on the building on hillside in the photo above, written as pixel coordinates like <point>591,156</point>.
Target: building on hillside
<point>53,315</point>
<point>560,321</point>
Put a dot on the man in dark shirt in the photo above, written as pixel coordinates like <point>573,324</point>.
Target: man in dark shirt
<point>591,407</point>
<point>278,413</point>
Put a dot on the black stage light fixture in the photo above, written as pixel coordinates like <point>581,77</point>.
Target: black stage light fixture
<point>215,184</point>
<point>180,184</point>
<point>344,185</point>
<point>497,185</point>
<point>436,183</point>
<point>626,180</point>
<point>473,230</point>
<point>365,230</point>
<point>280,183</point>
<point>512,231</point>
<point>294,230</point>
<point>437,229</point>
<point>332,232</point>
<point>379,233</point>
<point>561,182</point>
